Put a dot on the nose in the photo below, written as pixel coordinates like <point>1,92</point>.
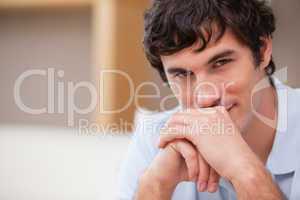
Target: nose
<point>207,95</point>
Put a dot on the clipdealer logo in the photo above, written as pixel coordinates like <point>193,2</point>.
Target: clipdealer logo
<point>59,90</point>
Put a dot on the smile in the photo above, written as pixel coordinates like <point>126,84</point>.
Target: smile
<point>229,107</point>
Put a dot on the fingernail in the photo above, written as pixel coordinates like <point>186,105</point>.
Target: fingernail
<point>203,186</point>
<point>213,187</point>
<point>198,186</point>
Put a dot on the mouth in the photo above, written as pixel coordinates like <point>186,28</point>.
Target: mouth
<point>229,107</point>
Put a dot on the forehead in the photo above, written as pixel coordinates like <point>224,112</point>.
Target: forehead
<point>189,55</point>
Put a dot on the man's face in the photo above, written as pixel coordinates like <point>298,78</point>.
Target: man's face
<point>224,73</point>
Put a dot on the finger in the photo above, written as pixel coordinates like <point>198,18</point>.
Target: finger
<point>186,118</point>
<point>178,118</point>
<point>175,132</point>
<point>189,154</point>
<point>213,181</point>
<point>170,134</point>
<point>203,174</point>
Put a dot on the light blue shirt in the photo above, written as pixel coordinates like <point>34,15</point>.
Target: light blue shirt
<point>283,161</point>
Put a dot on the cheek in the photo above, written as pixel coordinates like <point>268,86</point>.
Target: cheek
<point>242,81</point>
<point>235,87</point>
<point>240,114</point>
<point>240,91</point>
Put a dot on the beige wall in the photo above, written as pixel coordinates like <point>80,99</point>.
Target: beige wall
<point>118,46</point>
<point>286,38</point>
<point>38,39</point>
<point>117,37</point>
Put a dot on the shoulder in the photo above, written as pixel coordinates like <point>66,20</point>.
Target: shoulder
<point>148,125</point>
<point>149,122</point>
<point>292,109</point>
<point>141,151</point>
<point>284,156</point>
<point>288,108</point>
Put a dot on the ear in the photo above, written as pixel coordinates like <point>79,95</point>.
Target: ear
<point>266,52</point>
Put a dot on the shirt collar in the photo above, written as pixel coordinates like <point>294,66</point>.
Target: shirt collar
<point>283,156</point>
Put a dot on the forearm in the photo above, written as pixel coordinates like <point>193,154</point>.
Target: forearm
<point>150,188</point>
<point>257,184</point>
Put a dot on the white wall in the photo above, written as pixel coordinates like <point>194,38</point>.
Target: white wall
<point>43,163</point>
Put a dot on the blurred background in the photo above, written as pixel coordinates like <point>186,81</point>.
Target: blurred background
<point>65,46</point>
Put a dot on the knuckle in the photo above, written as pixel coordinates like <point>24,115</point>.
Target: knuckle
<point>204,174</point>
<point>191,155</point>
<point>203,177</point>
<point>194,170</point>
<point>214,177</point>
<point>174,146</point>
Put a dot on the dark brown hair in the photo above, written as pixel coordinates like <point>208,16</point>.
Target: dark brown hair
<point>172,25</point>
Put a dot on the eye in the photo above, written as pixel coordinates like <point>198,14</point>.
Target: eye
<point>221,62</point>
<point>183,74</point>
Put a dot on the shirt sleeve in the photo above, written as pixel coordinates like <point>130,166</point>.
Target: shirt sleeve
<point>141,152</point>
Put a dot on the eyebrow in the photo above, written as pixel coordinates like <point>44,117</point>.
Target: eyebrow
<point>224,53</point>
<point>175,70</point>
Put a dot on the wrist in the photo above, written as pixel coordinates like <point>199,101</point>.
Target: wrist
<point>152,186</point>
<point>157,182</point>
<point>248,169</point>
<point>256,183</point>
<point>251,176</point>
<point>248,176</point>
<point>245,167</point>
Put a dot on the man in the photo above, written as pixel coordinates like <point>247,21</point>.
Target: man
<point>229,138</point>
